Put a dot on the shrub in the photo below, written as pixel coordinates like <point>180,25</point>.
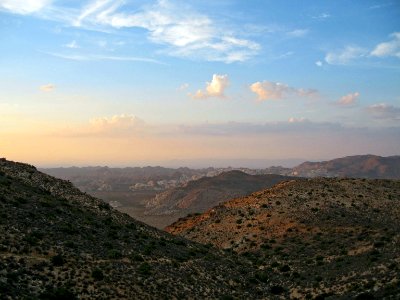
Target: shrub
<point>57,260</point>
<point>145,269</point>
<point>97,274</point>
<point>285,268</point>
<point>114,254</point>
<point>277,289</point>
<point>58,294</point>
<point>262,277</point>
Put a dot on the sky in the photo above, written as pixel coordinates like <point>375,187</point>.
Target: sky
<point>198,83</point>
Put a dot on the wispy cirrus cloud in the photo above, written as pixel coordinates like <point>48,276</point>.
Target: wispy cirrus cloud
<point>47,87</point>
<point>268,90</point>
<point>88,57</point>
<point>346,55</point>
<point>184,31</point>
<point>215,88</point>
<point>351,54</point>
<point>23,7</point>
<point>297,33</point>
<point>322,16</point>
<point>72,45</point>
<point>390,48</point>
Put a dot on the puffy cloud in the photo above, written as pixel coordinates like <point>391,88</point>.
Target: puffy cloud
<point>349,99</point>
<point>391,48</point>
<point>268,90</point>
<point>345,56</point>
<point>215,88</point>
<point>385,111</point>
<point>23,6</point>
<point>47,87</point>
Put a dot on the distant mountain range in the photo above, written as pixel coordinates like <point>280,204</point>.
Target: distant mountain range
<point>359,166</point>
<point>159,196</point>
<point>336,238</point>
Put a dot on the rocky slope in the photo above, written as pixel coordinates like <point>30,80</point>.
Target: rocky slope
<point>200,195</point>
<point>359,166</point>
<point>326,238</point>
<point>59,243</point>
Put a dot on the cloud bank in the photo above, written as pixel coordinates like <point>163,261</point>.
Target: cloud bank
<point>385,111</point>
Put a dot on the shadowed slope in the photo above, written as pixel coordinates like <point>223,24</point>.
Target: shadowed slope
<point>57,242</point>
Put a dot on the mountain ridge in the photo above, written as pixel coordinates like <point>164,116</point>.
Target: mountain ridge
<point>198,196</point>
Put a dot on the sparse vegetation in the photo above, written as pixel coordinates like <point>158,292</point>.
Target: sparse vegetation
<point>328,243</point>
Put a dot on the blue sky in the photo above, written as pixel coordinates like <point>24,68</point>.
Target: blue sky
<point>224,80</point>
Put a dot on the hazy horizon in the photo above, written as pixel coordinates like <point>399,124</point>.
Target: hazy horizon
<point>121,83</point>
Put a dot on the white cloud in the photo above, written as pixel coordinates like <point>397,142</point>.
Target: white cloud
<point>47,87</point>
<point>349,99</point>
<point>385,111</point>
<point>88,57</point>
<point>24,6</point>
<point>215,88</point>
<point>345,56</point>
<point>322,16</point>
<point>319,63</point>
<point>183,87</point>
<point>185,32</point>
<point>268,90</point>
<point>391,48</point>
<point>72,45</point>
<point>298,33</point>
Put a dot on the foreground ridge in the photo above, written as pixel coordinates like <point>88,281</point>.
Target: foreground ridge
<point>59,243</point>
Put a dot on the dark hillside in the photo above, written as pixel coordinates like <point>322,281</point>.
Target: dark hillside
<point>57,242</point>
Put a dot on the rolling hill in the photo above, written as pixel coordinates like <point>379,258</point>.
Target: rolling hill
<point>200,195</point>
<point>328,238</point>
